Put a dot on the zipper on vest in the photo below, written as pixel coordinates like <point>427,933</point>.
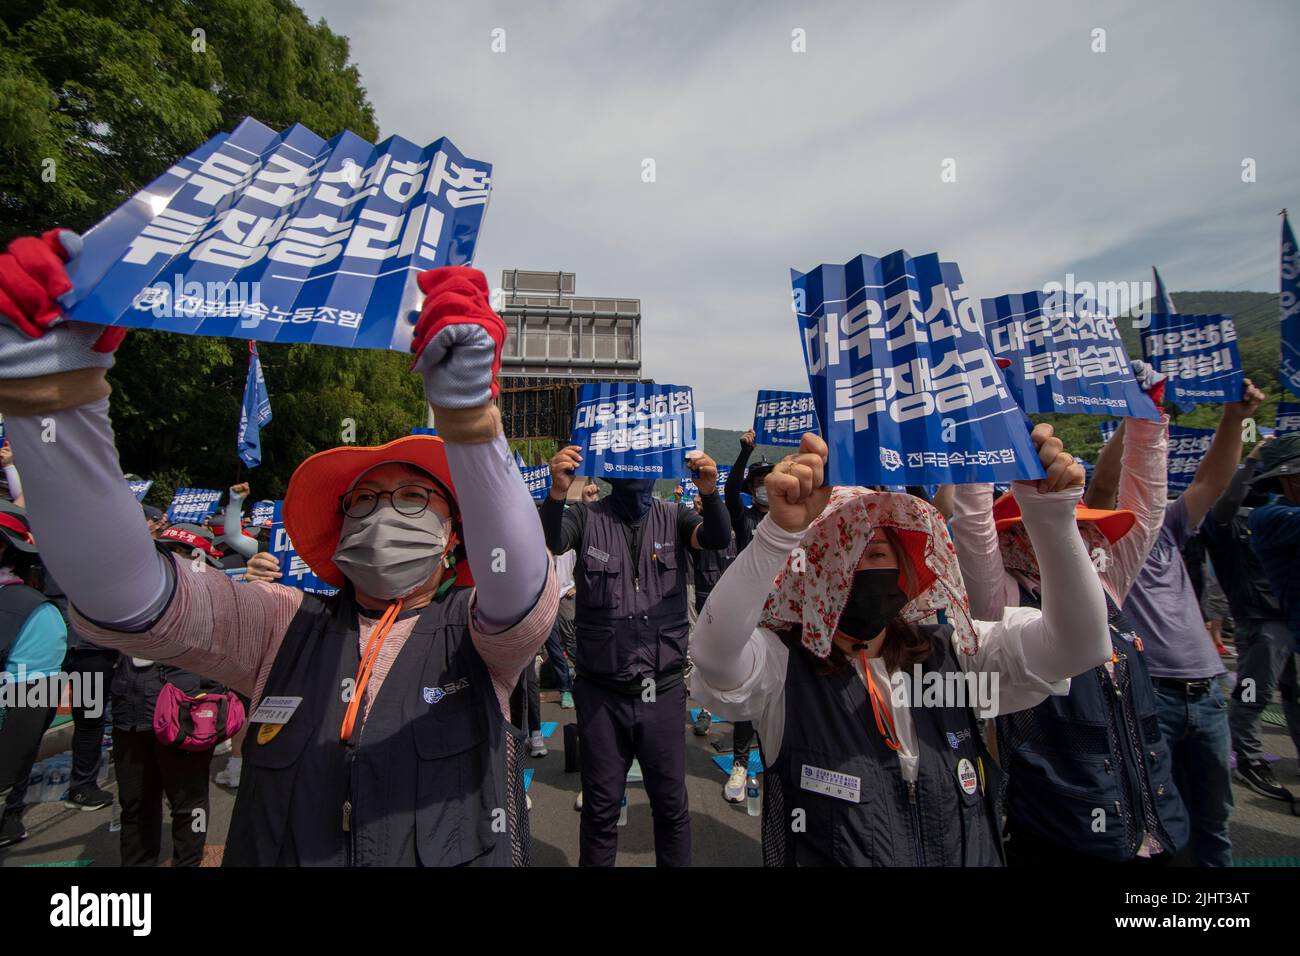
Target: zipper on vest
<point>916,822</point>
<point>1120,719</point>
<point>347,816</point>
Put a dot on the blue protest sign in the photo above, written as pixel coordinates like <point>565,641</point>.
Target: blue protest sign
<point>1289,307</point>
<point>262,514</point>
<point>691,491</point>
<point>1065,355</point>
<point>1199,354</point>
<point>192,505</point>
<point>1288,418</point>
<point>538,480</point>
<point>781,418</point>
<point>1107,429</point>
<point>421,430</point>
<point>293,569</point>
<point>1187,446</point>
<point>140,488</point>
<point>906,389</point>
<point>284,237</point>
<point>629,430</point>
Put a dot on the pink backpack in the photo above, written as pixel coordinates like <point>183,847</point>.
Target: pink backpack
<point>196,723</point>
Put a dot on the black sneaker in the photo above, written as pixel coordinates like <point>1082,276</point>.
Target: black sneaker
<point>12,830</point>
<point>702,723</point>
<point>88,798</point>
<point>1258,775</point>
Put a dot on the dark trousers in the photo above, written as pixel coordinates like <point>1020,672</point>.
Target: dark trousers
<point>146,769</point>
<point>1265,663</point>
<point>559,646</point>
<point>92,669</point>
<point>742,738</point>
<point>1026,850</point>
<point>526,701</point>
<point>21,731</point>
<point>614,728</point>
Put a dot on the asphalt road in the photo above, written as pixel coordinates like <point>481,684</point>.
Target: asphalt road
<point>1263,831</point>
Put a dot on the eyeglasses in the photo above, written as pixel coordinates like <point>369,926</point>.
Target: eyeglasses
<point>409,500</point>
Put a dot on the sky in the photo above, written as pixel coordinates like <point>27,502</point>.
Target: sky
<point>1099,164</point>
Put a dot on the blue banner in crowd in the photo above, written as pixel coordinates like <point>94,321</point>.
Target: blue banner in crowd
<point>906,389</point>
<point>1288,418</point>
<point>1187,446</point>
<point>285,237</point>
<point>255,413</point>
<point>192,505</point>
<point>422,430</point>
<point>293,569</point>
<point>262,514</point>
<point>538,480</point>
<point>1107,429</point>
<point>1199,354</point>
<point>691,491</point>
<point>1066,355</point>
<point>1289,307</point>
<point>140,488</point>
<point>628,430</point>
<point>781,418</point>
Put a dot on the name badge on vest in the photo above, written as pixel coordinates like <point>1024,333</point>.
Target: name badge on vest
<point>274,713</point>
<point>599,555</point>
<point>841,786</point>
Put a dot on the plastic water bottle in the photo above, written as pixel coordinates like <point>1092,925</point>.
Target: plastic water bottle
<point>751,795</point>
<point>622,812</point>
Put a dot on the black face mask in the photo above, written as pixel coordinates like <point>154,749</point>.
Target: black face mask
<point>874,601</point>
<point>630,498</point>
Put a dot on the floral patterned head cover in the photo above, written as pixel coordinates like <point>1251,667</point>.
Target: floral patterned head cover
<point>812,589</point>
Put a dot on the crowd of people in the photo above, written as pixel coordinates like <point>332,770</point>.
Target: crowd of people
<point>963,678</point>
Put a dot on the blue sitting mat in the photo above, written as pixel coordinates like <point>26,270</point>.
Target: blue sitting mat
<point>726,761</point>
<point>528,778</point>
<point>548,728</point>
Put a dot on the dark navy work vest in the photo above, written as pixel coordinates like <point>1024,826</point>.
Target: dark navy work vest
<point>630,614</point>
<point>948,817</point>
<point>429,779</point>
<point>709,565</point>
<point>1099,748</point>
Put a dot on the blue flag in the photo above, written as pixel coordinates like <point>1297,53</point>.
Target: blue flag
<point>781,418</point>
<point>1107,429</point>
<point>1162,303</point>
<point>519,461</point>
<point>1288,418</point>
<point>538,480</point>
<point>192,505</point>
<point>284,237</point>
<point>1199,354</point>
<point>906,389</point>
<point>1065,355</point>
<point>1289,306</point>
<point>140,488</point>
<point>628,430</point>
<point>255,413</point>
<point>293,569</point>
<point>1187,447</point>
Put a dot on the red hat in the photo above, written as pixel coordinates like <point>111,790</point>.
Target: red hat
<point>1112,524</point>
<point>313,512</point>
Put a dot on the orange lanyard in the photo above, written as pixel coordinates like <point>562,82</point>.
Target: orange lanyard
<point>884,719</point>
<point>377,638</point>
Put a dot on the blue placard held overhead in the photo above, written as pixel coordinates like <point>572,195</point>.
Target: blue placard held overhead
<point>538,480</point>
<point>192,505</point>
<point>1289,308</point>
<point>906,389</point>
<point>628,430</point>
<point>140,488</point>
<point>293,569</point>
<point>284,237</point>
<point>781,418</point>
<point>1288,418</point>
<point>1065,355</point>
<point>1199,354</point>
<point>1187,447</point>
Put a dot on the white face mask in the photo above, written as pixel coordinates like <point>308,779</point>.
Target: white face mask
<point>760,495</point>
<point>387,554</point>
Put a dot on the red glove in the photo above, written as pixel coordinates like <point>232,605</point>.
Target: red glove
<point>458,339</point>
<point>32,277</point>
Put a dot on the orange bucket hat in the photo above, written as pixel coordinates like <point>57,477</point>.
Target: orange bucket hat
<point>1112,524</point>
<point>313,513</point>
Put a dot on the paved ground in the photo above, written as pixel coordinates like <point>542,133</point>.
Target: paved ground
<point>723,834</point>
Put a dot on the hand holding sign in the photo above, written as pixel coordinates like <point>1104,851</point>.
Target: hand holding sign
<point>704,472</point>
<point>747,439</point>
<point>1062,470</point>
<point>795,494</point>
<point>563,465</point>
<point>1251,398</point>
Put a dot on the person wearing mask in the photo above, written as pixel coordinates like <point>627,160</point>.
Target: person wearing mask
<point>1265,650</point>
<point>1275,527</point>
<point>1088,772</point>
<point>33,643</point>
<point>1180,656</point>
<point>414,764</point>
<point>632,631</point>
<point>832,660</point>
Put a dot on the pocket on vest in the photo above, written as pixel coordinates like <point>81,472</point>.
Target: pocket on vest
<point>666,564</point>
<point>454,815</point>
<point>602,583</point>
